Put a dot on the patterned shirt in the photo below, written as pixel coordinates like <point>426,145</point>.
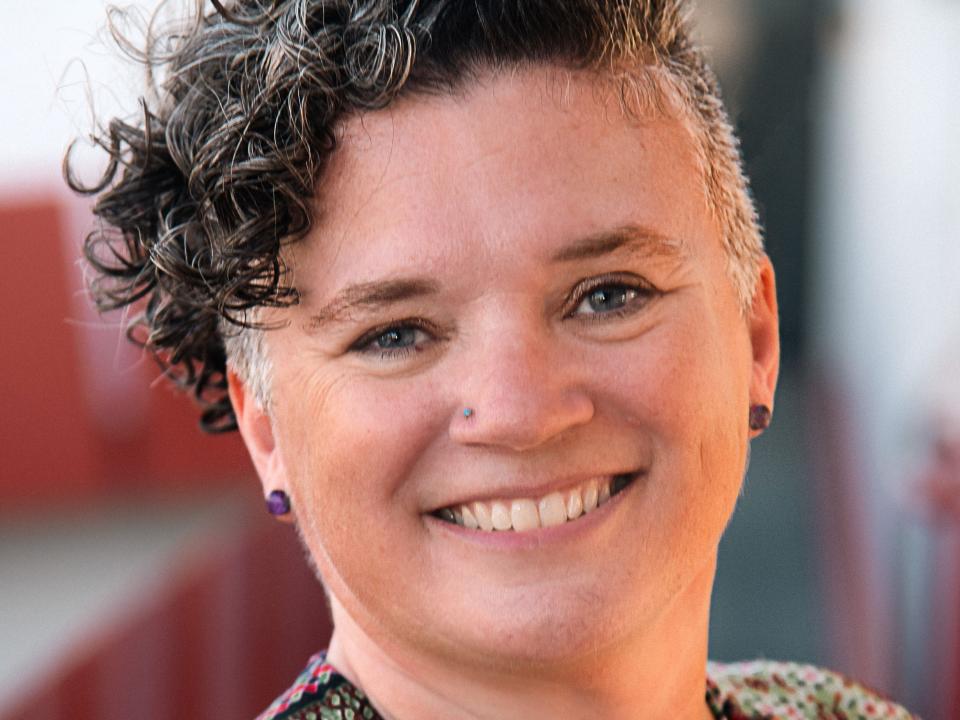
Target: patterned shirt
<point>759,690</point>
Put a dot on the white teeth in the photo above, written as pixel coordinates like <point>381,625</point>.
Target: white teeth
<point>552,511</point>
<point>482,513</point>
<point>523,515</point>
<point>590,497</point>
<point>574,505</point>
<point>500,515</point>
<point>604,493</point>
<point>469,520</point>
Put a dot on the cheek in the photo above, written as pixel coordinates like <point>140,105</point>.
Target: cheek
<point>349,446</point>
<point>678,380</point>
<point>682,391</point>
<point>343,430</point>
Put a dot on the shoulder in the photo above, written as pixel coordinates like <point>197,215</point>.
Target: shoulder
<point>765,689</point>
<point>320,693</point>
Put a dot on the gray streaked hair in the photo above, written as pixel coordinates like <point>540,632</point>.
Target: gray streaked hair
<point>217,175</point>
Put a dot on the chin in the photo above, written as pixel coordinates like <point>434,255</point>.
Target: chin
<point>544,631</point>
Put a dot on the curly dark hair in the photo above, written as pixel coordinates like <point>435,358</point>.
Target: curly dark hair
<point>217,173</point>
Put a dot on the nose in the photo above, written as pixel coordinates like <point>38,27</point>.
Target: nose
<point>519,393</point>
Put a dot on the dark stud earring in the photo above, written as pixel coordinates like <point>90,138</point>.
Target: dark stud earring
<point>759,417</point>
<point>278,503</point>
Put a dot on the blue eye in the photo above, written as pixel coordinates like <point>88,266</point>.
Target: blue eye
<point>611,298</point>
<point>607,298</point>
<point>398,337</point>
<point>394,341</point>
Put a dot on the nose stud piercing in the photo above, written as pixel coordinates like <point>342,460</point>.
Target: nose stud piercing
<point>759,417</point>
<point>467,412</point>
<point>278,503</point>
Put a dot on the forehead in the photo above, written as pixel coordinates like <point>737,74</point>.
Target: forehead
<point>530,157</point>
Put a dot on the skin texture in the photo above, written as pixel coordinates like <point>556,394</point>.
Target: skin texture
<point>476,195</point>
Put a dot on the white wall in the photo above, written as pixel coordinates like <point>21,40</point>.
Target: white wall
<point>887,270</point>
<point>46,51</point>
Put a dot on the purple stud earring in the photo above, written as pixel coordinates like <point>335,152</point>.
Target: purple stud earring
<point>759,417</point>
<point>278,502</point>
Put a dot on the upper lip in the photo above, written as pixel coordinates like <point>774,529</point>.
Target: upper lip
<point>500,490</point>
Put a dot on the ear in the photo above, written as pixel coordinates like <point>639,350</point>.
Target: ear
<point>256,428</point>
<point>764,338</point>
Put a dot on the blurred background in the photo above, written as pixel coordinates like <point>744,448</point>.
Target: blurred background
<point>139,576</point>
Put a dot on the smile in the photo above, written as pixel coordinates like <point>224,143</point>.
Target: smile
<point>525,514</point>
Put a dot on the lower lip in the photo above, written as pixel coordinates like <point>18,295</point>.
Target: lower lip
<point>532,539</point>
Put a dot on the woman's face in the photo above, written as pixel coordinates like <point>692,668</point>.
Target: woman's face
<point>554,267</point>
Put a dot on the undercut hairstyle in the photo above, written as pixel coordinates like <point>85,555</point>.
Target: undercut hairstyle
<point>218,171</point>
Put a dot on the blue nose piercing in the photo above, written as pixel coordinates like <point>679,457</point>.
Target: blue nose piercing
<point>467,412</point>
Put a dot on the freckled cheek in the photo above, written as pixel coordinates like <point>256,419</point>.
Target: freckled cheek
<point>659,385</point>
<point>357,440</point>
<point>357,447</point>
<point>678,392</point>
<point>677,398</point>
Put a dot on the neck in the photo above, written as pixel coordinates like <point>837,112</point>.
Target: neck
<point>660,668</point>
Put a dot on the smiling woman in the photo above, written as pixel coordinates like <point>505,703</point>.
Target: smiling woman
<point>481,286</point>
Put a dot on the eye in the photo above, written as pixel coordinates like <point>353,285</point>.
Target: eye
<point>395,340</point>
<point>608,296</point>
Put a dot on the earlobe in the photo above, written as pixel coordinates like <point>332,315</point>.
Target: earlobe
<point>256,428</point>
<point>764,337</point>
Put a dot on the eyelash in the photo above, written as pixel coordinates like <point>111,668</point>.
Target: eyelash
<point>645,292</point>
<point>364,344</point>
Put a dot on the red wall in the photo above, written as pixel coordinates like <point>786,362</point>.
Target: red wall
<point>82,420</point>
<point>58,442</point>
<point>222,637</point>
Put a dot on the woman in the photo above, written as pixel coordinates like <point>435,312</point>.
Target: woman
<point>482,287</point>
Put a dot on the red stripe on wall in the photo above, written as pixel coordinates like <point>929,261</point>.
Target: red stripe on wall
<point>227,633</point>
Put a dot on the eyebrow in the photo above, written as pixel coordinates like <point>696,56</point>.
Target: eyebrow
<point>370,296</point>
<point>378,294</point>
<point>637,239</point>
